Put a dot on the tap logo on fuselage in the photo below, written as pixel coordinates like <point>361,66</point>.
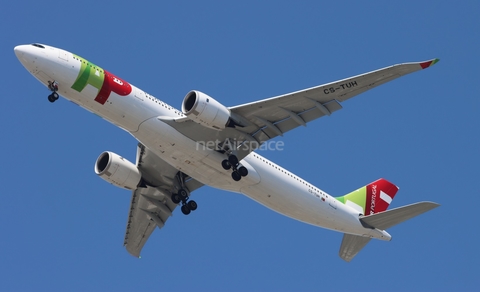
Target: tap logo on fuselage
<point>101,79</point>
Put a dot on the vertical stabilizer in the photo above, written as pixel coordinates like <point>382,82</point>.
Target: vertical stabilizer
<point>372,198</point>
<point>351,245</point>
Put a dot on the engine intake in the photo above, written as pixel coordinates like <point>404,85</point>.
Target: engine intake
<point>205,110</point>
<point>117,170</point>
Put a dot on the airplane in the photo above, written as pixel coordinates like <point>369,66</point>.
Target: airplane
<point>207,143</point>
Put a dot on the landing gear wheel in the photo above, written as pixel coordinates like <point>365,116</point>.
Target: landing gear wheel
<point>185,210</point>
<point>243,171</point>
<point>236,176</point>
<point>53,97</point>
<point>183,194</point>
<point>226,164</point>
<point>176,198</point>
<point>233,160</point>
<point>192,205</point>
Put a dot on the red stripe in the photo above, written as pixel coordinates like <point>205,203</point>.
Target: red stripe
<point>374,204</point>
<point>426,64</point>
<point>104,92</point>
<point>112,83</point>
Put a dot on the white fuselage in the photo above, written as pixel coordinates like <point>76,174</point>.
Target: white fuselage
<point>141,115</point>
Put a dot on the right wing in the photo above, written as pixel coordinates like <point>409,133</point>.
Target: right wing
<point>262,120</point>
<point>151,206</point>
<point>271,117</point>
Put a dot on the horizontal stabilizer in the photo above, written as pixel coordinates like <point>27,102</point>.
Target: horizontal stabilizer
<point>395,216</point>
<point>351,245</point>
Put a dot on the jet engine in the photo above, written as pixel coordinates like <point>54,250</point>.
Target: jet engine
<point>205,110</point>
<point>117,170</point>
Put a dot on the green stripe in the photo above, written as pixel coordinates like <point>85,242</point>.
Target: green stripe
<point>82,78</point>
<point>359,197</point>
<point>89,74</point>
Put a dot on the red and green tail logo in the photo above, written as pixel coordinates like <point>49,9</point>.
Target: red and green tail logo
<point>372,198</point>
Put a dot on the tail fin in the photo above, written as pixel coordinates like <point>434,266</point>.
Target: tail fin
<point>372,198</point>
<point>351,245</point>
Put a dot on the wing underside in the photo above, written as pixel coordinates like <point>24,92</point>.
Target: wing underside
<point>263,120</point>
<point>274,116</point>
<point>144,216</point>
<point>151,205</point>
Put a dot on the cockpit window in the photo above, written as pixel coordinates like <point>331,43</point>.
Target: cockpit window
<point>38,46</point>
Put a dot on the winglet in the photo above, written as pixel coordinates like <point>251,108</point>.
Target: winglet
<point>427,64</point>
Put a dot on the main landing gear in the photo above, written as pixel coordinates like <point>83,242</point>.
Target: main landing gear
<point>182,196</point>
<point>238,170</point>
<point>187,205</point>
<point>53,86</point>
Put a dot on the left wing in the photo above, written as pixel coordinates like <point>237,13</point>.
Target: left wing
<point>151,206</point>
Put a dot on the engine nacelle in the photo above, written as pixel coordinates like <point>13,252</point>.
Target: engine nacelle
<point>205,110</point>
<point>117,170</point>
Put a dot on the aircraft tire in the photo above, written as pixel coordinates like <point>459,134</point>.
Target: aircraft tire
<point>233,160</point>
<point>51,98</point>
<point>243,171</point>
<point>176,198</point>
<point>226,165</point>
<point>236,176</point>
<point>185,210</point>
<point>183,194</point>
<point>192,205</point>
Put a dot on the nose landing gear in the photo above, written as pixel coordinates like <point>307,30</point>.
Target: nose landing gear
<point>53,86</point>
<point>53,97</point>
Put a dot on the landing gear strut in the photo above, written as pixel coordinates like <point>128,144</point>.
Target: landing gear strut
<point>182,196</point>
<point>53,86</point>
<point>238,170</point>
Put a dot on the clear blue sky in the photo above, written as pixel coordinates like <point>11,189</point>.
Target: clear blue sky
<point>62,227</point>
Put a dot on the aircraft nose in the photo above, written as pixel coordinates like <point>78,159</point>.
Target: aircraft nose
<point>27,55</point>
<point>19,51</point>
<point>23,54</point>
